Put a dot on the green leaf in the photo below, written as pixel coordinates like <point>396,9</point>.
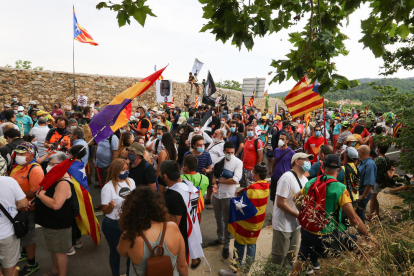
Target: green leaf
<point>122,18</point>
<point>140,16</point>
<point>369,24</point>
<point>101,5</point>
<point>206,27</point>
<point>403,31</point>
<point>248,42</point>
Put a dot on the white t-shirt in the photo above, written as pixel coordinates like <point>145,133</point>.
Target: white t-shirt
<point>216,152</point>
<point>108,193</point>
<point>40,133</point>
<point>10,193</point>
<point>287,187</point>
<point>235,165</point>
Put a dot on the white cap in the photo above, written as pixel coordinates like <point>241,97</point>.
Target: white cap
<point>20,108</point>
<point>301,155</point>
<point>181,120</point>
<point>32,102</point>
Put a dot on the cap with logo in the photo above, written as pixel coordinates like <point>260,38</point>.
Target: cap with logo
<point>332,161</point>
<point>137,148</point>
<point>25,147</point>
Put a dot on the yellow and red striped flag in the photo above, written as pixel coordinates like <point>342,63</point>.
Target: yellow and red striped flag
<point>251,101</point>
<point>395,130</point>
<point>80,34</point>
<point>303,98</point>
<point>160,77</point>
<point>197,102</point>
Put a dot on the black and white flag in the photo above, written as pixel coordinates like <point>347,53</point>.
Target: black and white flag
<point>210,86</point>
<point>207,119</point>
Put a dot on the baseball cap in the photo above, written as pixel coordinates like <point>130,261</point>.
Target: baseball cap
<point>345,124</point>
<point>24,147</point>
<point>352,153</point>
<point>264,117</point>
<point>20,108</point>
<point>137,148</point>
<point>172,106</point>
<point>332,161</point>
<point>278,118</point>
<point>6,105</point>
<point>41,112</point>
<point>181,120</point>
<point>301,155</point>
<point>32,102</point>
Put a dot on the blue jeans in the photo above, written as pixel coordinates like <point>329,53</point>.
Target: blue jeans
<point>362,206</point>
<point>110,228</point>
<point>250,253</point>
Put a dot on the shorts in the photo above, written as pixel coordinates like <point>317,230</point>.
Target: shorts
<point>58,240</point>
<point>246,178</point>
<point>376,189</point>
<point>196,84</point>
<point>313,246</point>
<point>270,153</point>
<point>9,251</point>
<point>30,237</point>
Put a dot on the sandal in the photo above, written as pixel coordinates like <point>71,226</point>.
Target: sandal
<point>368,217</point>
<point>194,266</point>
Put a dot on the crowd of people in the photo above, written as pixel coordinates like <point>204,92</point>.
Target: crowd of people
<point>140,166</point>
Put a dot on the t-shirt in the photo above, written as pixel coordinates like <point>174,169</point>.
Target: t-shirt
<point>204,160</point>
<point>108,193</point>
<point>236,138</point>
<point>105,150</point>
<point>216,151</point>
<point>82,142</point>
<point>31,184</point>
<point>251,117</point>
<point>143,173</point>
<point>383,166</point>
<point>287,187</point>
<point>250,153</point>
<point>10,193</point>
<point>198,180</point>
<point>364,134</point>
<point>183,132</point>
<point>337,129</point>
<point>56,113</point>
<point>240,128</point>
<point>284,163</point>
<point>26,121</point>
<point>40,133</point>
<point>53,137</point>
<point>313,145</point>
<point>176,207</point>
<point>207,139</point>
<point>215,121</point>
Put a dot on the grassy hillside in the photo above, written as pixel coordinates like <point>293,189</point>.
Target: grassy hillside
<point>364,92</point>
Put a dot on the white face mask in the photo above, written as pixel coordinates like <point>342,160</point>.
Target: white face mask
<point>48,168</point>
<point>280,143</point>
<point>137,114</point>
<point>122,130</point>
<point>196,129</point>
<point>228,156</point>
<point>21,160</point>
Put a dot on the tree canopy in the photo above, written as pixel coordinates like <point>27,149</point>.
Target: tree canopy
<point>241,21</point>
<point>230,84</point>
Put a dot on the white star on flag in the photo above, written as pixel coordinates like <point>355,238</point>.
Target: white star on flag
<point>240,205</point>
<point>77,28</point>
<point>83,172</point>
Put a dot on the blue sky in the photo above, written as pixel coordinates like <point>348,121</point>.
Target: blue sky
<point>41,31</point>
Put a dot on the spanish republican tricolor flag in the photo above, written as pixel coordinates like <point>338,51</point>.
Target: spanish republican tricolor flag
<point>303,98</point>
<point>87,222</point>
<point>247,213</point>
<point>118,111</point>
<point>80,34</point>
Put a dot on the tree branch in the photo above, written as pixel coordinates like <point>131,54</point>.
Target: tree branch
<point>310,32</point>
<point>320,19</point>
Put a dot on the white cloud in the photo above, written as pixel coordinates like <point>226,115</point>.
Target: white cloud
<point>42,32</point>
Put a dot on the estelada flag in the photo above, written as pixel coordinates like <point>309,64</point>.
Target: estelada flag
<point>303,98</point>
<point>86,220</point>
<point>81,34</point>
<point>251,100</point>
<point>247,213</point>
<point>56,174</point>
<point>119,109</point>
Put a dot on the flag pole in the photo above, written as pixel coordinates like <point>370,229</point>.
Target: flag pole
<point>73,61</point>
<point>324,124</point>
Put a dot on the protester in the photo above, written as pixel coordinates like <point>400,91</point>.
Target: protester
<point>140,170</point>
<point>368,175</point>
<point>143,221</point>
<point>15,101</point>
<point>78,138</point>
<point>144,124</point>
<point>314,143</point>
<point>252,155</point>
<point>113,194</point>
<point>25,123</point>
<point>182,135</point>
<point>58,139</point>
<point>198,131</point>
<point>237,139</point>
<point>10,117</point>
<point>40,132</point>
<point>56,112</point>
<point>189,168</point>
<point>106,153</point>
<point>168,153</point>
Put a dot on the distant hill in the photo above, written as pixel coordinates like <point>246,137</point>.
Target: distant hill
<point>364,92</point>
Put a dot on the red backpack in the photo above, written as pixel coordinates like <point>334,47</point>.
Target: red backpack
<point>312,214</point>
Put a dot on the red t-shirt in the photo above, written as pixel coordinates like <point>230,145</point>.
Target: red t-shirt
<point>56,113</point>
<point>313,145</point>
<point>250,153</point>
<point>364,134</point>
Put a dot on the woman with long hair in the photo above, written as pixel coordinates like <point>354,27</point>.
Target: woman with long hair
<point>127,138</point>
<point>168,153</point>
<point>141,140</point>
<point>113,194</point>
<point>144,216</point>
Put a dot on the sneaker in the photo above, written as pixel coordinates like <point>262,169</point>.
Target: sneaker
<point>209,207</point>
<point>23,257</point>
<point>226,253</point>
<point>309,271</point>
<point>316,266</point>
<point>226,272</point>
<point>78,244</point>
<point>29,269</point>
<point>71,251</point>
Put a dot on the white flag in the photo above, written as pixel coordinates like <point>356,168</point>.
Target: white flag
<point>197,67</point>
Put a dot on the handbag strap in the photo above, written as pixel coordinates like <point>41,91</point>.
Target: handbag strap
<point>297,178</point>
<point>283,155</point>
<point>7,214</point>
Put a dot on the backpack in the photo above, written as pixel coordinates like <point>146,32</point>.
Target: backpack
<point>352,180</point>
<point>157,264</point>
<point>312,214</point>
<point>255,142</point>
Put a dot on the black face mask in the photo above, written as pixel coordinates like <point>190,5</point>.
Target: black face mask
<point>60,130</point>
<point>293,128</point>
<point>132,157</point>
<point>56,107</point>
<point>67,113</point>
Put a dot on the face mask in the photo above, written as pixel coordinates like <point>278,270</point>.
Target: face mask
<point>317,118</point>
<point>34,143</point>
<point>214,139</point>
<point>137,114</point>
<point>122,130</point>
<point>159,137</point>
<point>30,107</point>
<point>379,120</point>
<point>318,157</point>
<point>60,130</point>
<point>98,108</point>
<point>67,113</point>
<point>55,106</point>
<point>250,133</point>
<point>123,175</point>
<point>132,157</point>
<point>228,156</point>
<point>344,147</point>
<point>152,131</point>
<point>48,168</point>
<point>298,121</point>
<point>21,160</point>
<point>224,112</point>
<point>280,143</point>
<point>196,129</point>
<point>222,122</point>
<point>212,112</point>
<point>342,118</point>
<point>15,111</point>
<point>183,124</point>
<point>158,121</point>
<point>14,99</point>
<point>318,133</point>
<point>353,144</point>
<point>200,149</point>
<point>306,166</point>
<point>233,129</point>
<point>20,114</point>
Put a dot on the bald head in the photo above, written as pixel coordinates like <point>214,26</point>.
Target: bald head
<point>364,151</point>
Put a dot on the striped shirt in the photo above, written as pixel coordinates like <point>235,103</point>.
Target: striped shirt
<point>204,160</point>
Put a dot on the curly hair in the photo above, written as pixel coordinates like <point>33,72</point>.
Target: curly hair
<point>140,207</point>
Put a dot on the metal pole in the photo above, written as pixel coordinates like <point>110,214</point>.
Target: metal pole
<point>324,124</point>
<point>74,87</point>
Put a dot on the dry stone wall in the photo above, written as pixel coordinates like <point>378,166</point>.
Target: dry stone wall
<point>48,87</point>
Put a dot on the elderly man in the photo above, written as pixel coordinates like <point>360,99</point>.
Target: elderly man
<point>368,175</point>
<point>28,174</point>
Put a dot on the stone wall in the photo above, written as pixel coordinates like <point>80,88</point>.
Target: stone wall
<point>47,87</point>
